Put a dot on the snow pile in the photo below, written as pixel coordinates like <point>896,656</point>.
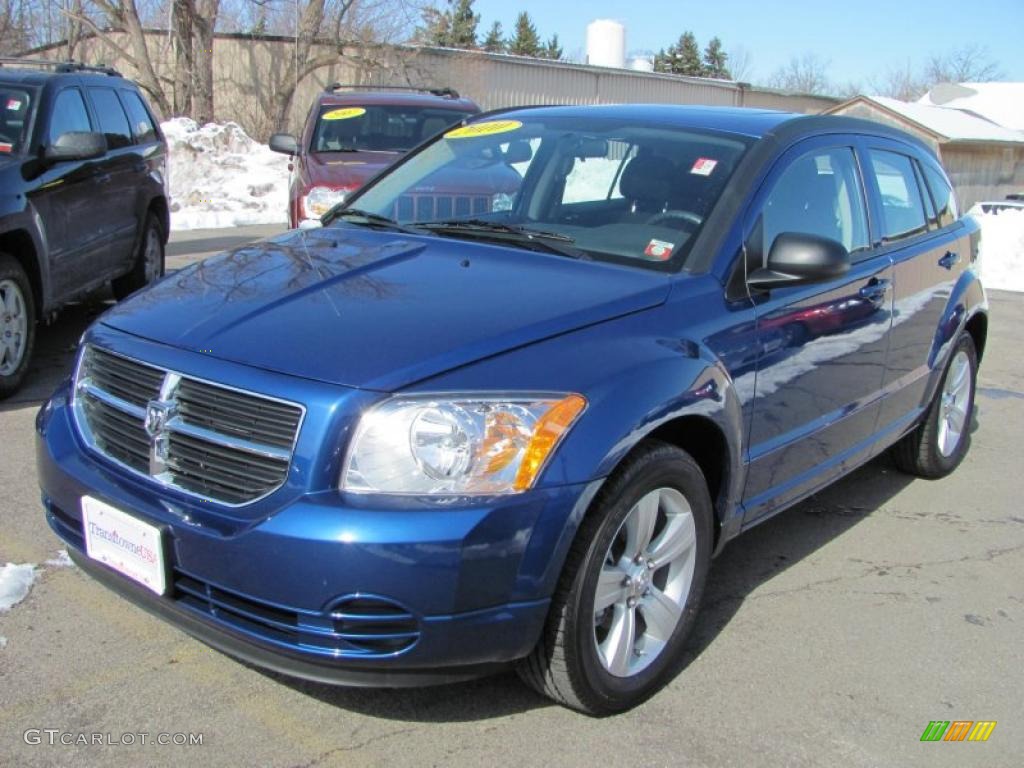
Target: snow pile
<point>1002,248</point>
<point>62,560</point>
<point>15,583</point>
<point>220,177</point>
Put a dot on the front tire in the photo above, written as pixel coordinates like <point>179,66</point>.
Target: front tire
<point>149,261</point>
<point>940,442</point>
<point>631,587</point>
<point>17,325</point>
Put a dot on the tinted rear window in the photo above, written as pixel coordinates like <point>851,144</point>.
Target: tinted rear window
<point>902,205</point>
<point>942,194</point>
<point>381,128</point>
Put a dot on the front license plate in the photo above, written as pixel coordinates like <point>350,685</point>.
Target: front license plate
<point>124,543</point>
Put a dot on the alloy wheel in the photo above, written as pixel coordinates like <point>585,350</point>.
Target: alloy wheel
<point>954,404</point>
<point>644,583</point>
<point>13,327</point>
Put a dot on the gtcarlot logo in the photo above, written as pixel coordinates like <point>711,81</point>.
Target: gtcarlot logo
<point>958,730</point>
<point>55,737</point>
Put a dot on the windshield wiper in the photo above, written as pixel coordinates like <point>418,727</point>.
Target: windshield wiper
<point>368,219</point>
<point>538,239</point>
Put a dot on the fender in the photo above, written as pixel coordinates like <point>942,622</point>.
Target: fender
<point>636,382</point>
<point>966,300</point>
<point>17,216</point>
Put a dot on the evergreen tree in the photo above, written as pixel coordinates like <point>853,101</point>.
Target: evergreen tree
<point>436,28</point>
<point>552,50</point>
<point>463,24</point>
<point>683,58</point>
<point>526,41</point>
<point>495,40</point>
<point>715,61</point>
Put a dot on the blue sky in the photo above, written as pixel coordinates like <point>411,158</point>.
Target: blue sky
<point>861,39</point>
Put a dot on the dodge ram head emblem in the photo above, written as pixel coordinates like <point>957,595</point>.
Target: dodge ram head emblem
<point>158,413</point>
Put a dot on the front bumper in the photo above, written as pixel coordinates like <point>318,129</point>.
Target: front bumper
<point>444,591</point>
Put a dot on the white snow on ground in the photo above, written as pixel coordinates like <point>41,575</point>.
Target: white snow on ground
<point>15,583</point>
<point>62,560</point>
<point>1002,249</point>
<point>220,177</point>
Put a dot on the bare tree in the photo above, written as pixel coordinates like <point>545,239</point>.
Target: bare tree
<point>740,64</point>
<point>901,83</point>
<point>969,64</point>
<point>804,74</point>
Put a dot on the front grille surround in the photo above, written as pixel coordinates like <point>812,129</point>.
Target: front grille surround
<point>203,438</point>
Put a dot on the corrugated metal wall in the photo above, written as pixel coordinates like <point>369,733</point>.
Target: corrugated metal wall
<point>247,69</point>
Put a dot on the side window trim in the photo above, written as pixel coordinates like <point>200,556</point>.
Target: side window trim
<point>881,243</point>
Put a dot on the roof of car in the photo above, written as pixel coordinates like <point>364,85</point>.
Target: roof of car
<point>743,121</point>
<point>28,76</point>
<point>398,98</point>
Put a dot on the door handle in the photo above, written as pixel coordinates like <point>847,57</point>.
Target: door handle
<point>949,260</point>
<point>876,289</point>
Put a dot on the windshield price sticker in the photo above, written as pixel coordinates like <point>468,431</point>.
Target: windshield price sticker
<point>704,166</point>
<point>344,114</point>
<point>484,129</point>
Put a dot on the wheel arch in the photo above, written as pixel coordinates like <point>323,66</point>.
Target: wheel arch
<point>19,245</point>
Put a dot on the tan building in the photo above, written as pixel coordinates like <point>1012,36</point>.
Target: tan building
<point>985,161</point>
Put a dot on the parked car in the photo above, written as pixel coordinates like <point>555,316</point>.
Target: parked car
<point>83,198</point>
<point>406,449</point>
<point>352,133</point>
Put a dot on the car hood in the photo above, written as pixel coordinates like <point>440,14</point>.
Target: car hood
<point>378,310</point>
<point>345,169</point>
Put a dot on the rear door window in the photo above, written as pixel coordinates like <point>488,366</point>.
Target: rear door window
<point>113,120</point>
<point>69,115</point>
<point>903,213</point>
<point>142,123</point>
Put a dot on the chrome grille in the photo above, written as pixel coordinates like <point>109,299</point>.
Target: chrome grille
<point>205,439</point>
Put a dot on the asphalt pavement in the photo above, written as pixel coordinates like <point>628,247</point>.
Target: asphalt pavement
<point>830,636</point>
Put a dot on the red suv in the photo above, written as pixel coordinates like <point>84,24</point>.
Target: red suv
<point>350,135</point>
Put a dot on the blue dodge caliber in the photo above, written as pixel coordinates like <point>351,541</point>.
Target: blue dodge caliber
<point>467,424</point>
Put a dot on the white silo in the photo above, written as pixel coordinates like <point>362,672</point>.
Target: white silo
<point>606,43</point>
<point>642,63</point>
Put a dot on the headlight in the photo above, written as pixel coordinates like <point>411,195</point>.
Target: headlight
<point>319,200</point>
<point>458,445</point>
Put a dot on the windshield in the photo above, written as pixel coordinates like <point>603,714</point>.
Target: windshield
<point>624,192</point>
<point>379,128</point>
<point>15,111</point>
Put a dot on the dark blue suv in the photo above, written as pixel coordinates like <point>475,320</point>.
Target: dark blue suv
<point>463,425</point>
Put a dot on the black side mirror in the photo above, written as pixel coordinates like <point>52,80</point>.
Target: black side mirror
<point>76,145</point>
<point>796,258</point>
<point>284,143</point>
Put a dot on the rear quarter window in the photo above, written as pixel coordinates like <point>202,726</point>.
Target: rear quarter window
<point>942,194</point>
<point>142,125</point>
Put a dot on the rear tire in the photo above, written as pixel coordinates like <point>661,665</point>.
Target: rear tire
<point>149,261</point>
<point>642,551</point>
<point>940,442</point>
<point>17,325</point>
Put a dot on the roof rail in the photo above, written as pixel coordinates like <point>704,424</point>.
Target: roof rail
<point>448,93</point>
<point>59,66</point>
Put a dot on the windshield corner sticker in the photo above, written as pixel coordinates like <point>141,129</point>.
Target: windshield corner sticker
<point>5,147</point>
<point>347,113</point>
<point>489,128</point>
<point>14,104</point>
<point>659,250</point>
<point>704,166</point>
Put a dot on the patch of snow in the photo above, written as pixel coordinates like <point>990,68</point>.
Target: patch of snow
<point>951,123</point>
<point>62,560</point>
<point>1002,103</point>
<point>15,583</point>
<point>220,177</point>
<point>1002,248</point>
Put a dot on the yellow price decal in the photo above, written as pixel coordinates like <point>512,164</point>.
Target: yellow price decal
<point>343,114</point>
<point>483,129</point>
